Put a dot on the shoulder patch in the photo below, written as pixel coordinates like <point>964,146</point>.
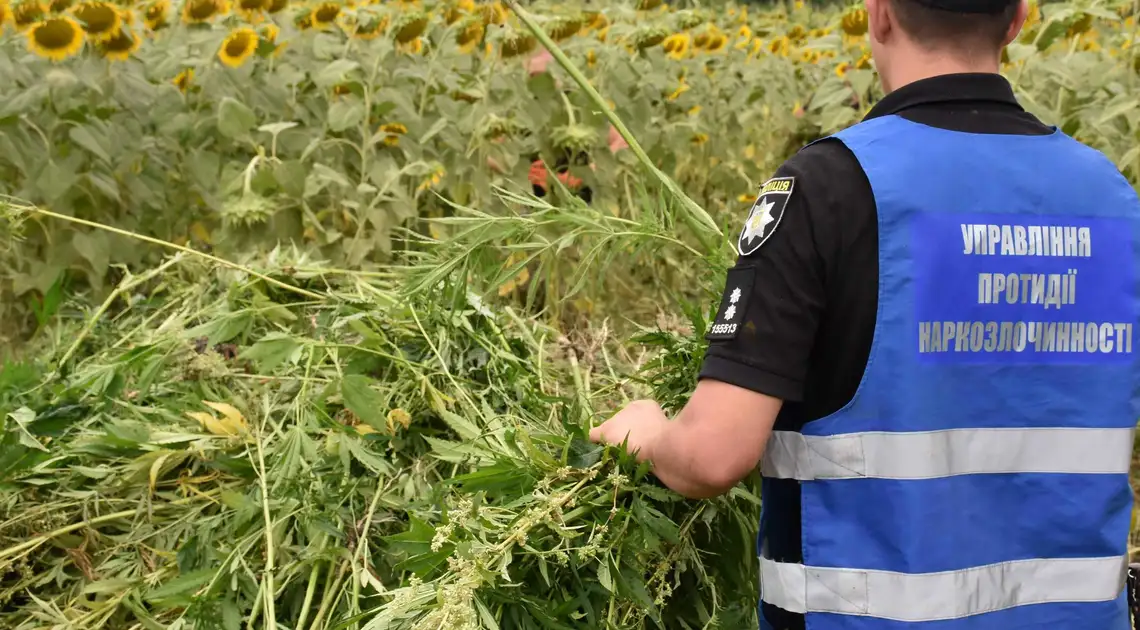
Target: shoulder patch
<point>767,211</point>
<point>733,305</point>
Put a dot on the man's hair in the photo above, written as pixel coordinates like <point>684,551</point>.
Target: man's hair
<point>937,28</point>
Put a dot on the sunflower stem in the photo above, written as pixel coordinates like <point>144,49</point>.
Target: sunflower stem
<point>270,545</point>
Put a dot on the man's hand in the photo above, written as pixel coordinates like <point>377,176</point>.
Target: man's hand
<point>642,422</point>
<point>716,440</point>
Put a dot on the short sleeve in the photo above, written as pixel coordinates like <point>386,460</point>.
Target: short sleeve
<point>776,295</point>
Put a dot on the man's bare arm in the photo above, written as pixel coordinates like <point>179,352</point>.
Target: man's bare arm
<point>714,443</point>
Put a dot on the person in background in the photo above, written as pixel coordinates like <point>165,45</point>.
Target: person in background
<point>539,173</point>
<point>927,346</point>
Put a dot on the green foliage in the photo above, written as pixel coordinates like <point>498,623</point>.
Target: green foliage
<point>672,373</point>
<point>309,440</point>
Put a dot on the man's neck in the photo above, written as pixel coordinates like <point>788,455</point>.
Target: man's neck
<point>925,66</point>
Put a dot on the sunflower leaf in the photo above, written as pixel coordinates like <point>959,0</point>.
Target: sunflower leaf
<point>84,137</point>
<point>234,118</point>
<point>345,113</point>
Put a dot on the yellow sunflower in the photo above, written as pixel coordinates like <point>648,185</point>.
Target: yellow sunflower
<point>101,20</point>
<point>250,10</point>
<point>717,42</point>
<point>780,46</point>
<point>201,11</point>
<point>414,47</point>
<point>276,6</point>
<point>393,132</point>
<point>1088,42</point>
<point>154,14</point>
<point>59,6</point>
<point>699,139</point>
<point>519,280</point>
<point>466,97</point>
<point>596,21</point>
<point>676,46</point>
<point>28,13</point>
<point>56,38</point>
<point>120,46</point>
<point>842,69</point>
<point>370,29</point>
<point>1081,25</point>
<point>238,46</point>
<point>183,80</point>
<point>410,26</point>
<point>854,23</point>
<point>494,13</point>
<point>469,36</point>
<point>757,48</point>
<point>432,180</point>
<point>324,14</point>
<point>269,33</point>
<point>681,89</point>
<point>5,14</point>
<point>563,28</point>
<point>1033,17</point>
<point>458,10</point>
<point>516,45</point>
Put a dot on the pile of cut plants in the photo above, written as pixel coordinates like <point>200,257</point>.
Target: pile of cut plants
<point>281,444</point>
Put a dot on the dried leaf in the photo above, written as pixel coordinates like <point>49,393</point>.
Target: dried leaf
<point>234,421</point>
<point>213,425</point>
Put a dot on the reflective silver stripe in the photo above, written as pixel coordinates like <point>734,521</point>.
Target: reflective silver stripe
<point>945,595</point>
<point>926,455</point>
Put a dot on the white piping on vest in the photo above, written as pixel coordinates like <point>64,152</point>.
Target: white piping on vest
<point>943,595</point>
<point>932,454</point>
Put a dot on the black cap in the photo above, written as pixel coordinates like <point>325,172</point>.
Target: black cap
<point>968,6</point>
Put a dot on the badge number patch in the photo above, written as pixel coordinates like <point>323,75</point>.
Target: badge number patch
<point>734,304</point>
<point>766,214</point>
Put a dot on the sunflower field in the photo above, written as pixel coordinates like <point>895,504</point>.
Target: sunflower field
<point>306,308</point>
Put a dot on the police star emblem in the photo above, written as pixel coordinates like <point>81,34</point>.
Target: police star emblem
<point>767,211</point>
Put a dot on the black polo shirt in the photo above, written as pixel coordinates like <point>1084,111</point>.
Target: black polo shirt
<point>811,312</point>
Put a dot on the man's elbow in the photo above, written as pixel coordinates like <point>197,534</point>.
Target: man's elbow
<point>700,493</point>
<point>716,478</point>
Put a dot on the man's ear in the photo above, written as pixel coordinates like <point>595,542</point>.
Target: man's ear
<point>1018,22</point>
<point>880,19</point>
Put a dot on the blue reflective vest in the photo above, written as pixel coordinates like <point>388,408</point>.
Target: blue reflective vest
<point>979,478</point>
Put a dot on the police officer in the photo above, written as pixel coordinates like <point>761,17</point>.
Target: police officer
<point>927,345</point>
